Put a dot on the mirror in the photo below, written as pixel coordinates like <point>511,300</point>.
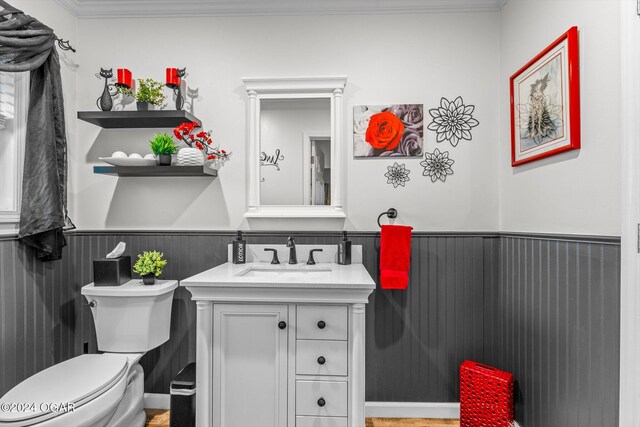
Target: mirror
<point>295,152</point>
<point>294,144</point>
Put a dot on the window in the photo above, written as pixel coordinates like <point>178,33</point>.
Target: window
<point>14,92</point>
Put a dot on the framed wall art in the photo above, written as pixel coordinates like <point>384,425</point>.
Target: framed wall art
<point>545,102</point>
<point>381,131</point>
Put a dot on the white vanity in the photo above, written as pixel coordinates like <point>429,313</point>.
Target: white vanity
<point>281,345</point>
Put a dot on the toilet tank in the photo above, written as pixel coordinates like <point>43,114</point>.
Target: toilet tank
<point>133,317</point>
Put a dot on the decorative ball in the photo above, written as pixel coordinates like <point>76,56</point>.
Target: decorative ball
<point>119,154</point>
<point>149,157</point>
<point>135,156</point>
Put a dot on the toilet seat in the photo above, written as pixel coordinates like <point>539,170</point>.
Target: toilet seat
<point>75,381</point>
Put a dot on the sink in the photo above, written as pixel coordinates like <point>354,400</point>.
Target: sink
<point>284,273</point>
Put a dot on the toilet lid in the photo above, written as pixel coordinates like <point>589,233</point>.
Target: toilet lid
<point>76,381</point>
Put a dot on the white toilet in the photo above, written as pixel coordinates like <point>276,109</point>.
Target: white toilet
<point>96,390</point>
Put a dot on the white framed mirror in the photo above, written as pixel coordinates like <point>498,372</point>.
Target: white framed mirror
<point>295,147</point>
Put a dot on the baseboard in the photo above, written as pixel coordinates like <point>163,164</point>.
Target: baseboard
<point>442,410</point>
<point>156,400</point>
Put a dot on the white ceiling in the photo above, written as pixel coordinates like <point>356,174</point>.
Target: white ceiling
<point>173,8</point>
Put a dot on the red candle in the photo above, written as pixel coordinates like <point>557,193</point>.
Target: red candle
<point>173,80</point>
<point>124,77</point>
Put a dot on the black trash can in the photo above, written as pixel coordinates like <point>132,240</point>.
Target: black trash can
<point>183,398</point>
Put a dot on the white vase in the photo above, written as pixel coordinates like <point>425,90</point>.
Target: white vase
<point>190,157</point>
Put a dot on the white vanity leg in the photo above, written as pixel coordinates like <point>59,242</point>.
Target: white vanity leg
<point>204,350</point>
<point>357,339</point>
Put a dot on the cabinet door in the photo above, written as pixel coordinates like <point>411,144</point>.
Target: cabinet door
<point>250,365</point>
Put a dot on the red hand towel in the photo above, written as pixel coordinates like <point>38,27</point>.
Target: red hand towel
<point>395,253</point>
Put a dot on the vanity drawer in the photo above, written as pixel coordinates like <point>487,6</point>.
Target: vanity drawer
<point>321,398</point>
<point>315,357</point>
<point>321,422</point>
<point>322,322</point>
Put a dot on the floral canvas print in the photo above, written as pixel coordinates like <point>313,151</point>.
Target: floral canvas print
<point>545,104</point>
<point>388,130</point>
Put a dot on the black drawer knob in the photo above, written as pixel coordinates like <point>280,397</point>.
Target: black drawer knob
<point>282,324</point>
<point>321,360</point>
<point>321,402</point>
<point>321,324</point>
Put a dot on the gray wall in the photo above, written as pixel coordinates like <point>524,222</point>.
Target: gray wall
<point>555,324</point>
<point>546,309</point>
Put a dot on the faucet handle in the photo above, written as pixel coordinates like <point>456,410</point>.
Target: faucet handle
<point>312,261</point>
<point>275,259</point>
<point>290,242</point>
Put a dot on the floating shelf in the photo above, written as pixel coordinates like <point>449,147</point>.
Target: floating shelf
<point>172,171</point>
<point>137,119</point>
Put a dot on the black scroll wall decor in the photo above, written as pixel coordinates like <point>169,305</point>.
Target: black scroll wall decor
<point>271,160</point>
<point>397,175</point>
<point>452,121</point>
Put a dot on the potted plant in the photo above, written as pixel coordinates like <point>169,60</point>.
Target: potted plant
<point>149,265</point>
<point>163,147</point>
<point>149,94</point>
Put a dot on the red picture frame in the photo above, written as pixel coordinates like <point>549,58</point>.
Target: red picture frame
<point>545,102</point>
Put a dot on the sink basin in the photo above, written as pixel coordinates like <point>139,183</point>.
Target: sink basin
<point>284,273</point>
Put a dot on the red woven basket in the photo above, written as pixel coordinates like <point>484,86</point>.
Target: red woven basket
<point>486,396</point>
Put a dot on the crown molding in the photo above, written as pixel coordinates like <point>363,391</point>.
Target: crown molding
<point>191,8</point>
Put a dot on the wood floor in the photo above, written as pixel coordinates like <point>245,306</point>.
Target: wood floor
<point>160,418</point>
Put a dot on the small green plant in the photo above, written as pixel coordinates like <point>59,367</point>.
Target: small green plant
<point>162,144</point>
<point>149,262</point>
<point>150,91</point>
<point>125,91</point>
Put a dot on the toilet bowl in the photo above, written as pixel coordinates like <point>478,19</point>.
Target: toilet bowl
<point>99,390</point>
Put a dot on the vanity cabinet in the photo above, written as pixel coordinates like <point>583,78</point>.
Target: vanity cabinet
<point>281,346</point>
<point>264,353</point>
<point>250,365</point>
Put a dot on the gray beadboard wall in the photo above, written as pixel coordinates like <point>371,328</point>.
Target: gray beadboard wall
<point>554,322</point>
<point>543,307</point>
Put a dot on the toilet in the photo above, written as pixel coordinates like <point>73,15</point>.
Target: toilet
<point>99,390</point>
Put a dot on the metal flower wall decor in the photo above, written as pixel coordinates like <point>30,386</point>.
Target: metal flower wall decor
<point>437,165</point>
<point>397,175</point>
<point>452,121</point>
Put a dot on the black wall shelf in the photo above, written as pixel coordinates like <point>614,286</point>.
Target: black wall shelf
<point>170,171</point>
<point>137,119</point>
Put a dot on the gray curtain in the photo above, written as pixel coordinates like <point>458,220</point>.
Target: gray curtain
<point>28,45</point>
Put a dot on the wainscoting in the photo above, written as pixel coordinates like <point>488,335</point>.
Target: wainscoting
<point>545,308</point>
<point>555,324</point>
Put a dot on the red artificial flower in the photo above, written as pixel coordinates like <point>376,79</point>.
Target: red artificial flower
<point>177,134</point>
<point>211,157</point>
<point>200,146</point>
<point>385,131</point>
<point>193,138</point>
<point>223,152</point>
<point>201,134</point>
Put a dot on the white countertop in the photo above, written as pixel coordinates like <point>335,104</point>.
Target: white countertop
<point>229,274</point>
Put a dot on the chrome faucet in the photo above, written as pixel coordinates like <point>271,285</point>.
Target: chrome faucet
<point>291,244</point>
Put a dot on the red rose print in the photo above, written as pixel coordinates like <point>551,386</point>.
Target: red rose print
<point>384,131</point>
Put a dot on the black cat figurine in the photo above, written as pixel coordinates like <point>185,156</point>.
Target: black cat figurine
<point>182,72</point>
<point>105,103</point>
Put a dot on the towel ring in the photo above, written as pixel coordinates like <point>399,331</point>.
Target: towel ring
<point>390,213</point>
